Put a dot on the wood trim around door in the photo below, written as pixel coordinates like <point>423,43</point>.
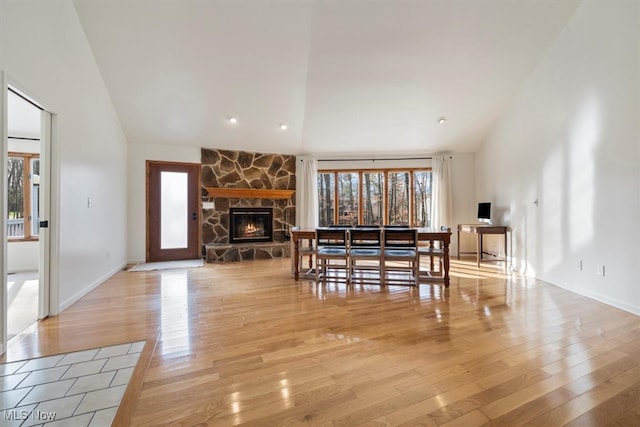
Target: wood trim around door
<point>193,250</point>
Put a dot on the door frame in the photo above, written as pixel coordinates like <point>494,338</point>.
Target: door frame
<point>148,204</point>
<point>48,253</point>
<point>47,303</point>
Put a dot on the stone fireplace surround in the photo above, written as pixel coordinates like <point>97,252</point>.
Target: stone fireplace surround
<point>269,178</point>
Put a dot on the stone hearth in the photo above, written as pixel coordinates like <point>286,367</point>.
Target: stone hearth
<point>247,251</point>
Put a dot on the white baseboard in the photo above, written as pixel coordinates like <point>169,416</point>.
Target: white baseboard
<point>70,301</point>
<point>598,297</point>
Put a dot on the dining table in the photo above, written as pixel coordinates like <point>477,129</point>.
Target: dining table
<point>425,234</point>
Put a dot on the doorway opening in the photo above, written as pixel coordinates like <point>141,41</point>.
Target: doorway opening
<point>26,285</point>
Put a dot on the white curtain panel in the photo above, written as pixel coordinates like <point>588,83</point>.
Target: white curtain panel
<point>306,192</point>
<point>441,198</point>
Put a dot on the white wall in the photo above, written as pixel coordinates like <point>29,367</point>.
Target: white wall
<point>138,156</point>
<point>464,200</point>
<point>44,51</point>
<point>22,256</point>
<point>571,141</point>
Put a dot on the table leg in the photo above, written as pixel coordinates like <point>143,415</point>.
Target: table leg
<point>431,256</point>
<point>479,248</point>
<point>505,250</point>
<point>445,261</point>
<point>296,266</point>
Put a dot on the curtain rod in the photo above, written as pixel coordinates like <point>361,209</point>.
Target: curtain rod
<point>373,160</point>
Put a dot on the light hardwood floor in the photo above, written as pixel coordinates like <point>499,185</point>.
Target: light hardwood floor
<point>243,343</point>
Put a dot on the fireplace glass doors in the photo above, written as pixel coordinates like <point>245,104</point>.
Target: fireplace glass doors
<point>250,225</point>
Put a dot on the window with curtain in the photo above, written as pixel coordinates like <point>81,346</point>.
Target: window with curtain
<point>376,197</point>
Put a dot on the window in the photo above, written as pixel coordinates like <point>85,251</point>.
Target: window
<point>422,203</point>
<point>348,199</point>
<point>398,196</point>
<point>23,196</point>
<point>35,196</point>
<point>375,197</point>
<point>326,194</point>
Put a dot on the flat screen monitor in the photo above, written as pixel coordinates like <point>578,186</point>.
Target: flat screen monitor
<point>484,212</point>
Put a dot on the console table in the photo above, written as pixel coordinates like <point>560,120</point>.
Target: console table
<point>480,230</point>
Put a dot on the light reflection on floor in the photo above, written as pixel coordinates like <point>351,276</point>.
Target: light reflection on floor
<point>22,302</point>
<point>175,340</point>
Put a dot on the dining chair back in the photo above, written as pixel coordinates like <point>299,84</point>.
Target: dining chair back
<point>332,255</point>
<point>400,259</point>
<point>365,250</point>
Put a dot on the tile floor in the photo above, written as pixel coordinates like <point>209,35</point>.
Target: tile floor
<point>82,388</point>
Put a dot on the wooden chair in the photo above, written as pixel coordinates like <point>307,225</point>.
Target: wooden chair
<point>365,255</point>
<point>306,249</point>
<point>332,255</point>
<point>400,260</point>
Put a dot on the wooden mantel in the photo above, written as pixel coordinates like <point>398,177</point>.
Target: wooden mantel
<point>248,193</point>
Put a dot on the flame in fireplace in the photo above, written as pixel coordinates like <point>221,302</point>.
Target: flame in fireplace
<point>250,229</point>
<point>250,225</point>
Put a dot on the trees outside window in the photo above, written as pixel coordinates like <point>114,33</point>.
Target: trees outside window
<point>23,196</point>
<point>348,198</point>
<point>326,195</point>
<point>422,191</point>
<point>398,196</point>
<point>375,197</point>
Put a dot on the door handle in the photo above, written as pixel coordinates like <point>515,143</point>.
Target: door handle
<point>44,224</point>
<point>194,216</point>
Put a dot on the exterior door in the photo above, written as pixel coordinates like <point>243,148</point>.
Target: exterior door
<point>173,211</point>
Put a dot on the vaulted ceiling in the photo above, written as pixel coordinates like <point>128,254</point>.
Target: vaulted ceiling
<point>346,76</point>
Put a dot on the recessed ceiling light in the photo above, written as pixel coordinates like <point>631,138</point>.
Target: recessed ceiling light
<point>233,120</point>
<point>283,126</point>
<point>441,120</point>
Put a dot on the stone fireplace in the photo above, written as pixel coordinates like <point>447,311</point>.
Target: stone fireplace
<point>250,225</point>
<point>246,182</point>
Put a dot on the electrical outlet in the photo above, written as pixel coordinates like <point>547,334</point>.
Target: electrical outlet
<point>601,271</point>
<point>579,265</point>
<point>89,202</point>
